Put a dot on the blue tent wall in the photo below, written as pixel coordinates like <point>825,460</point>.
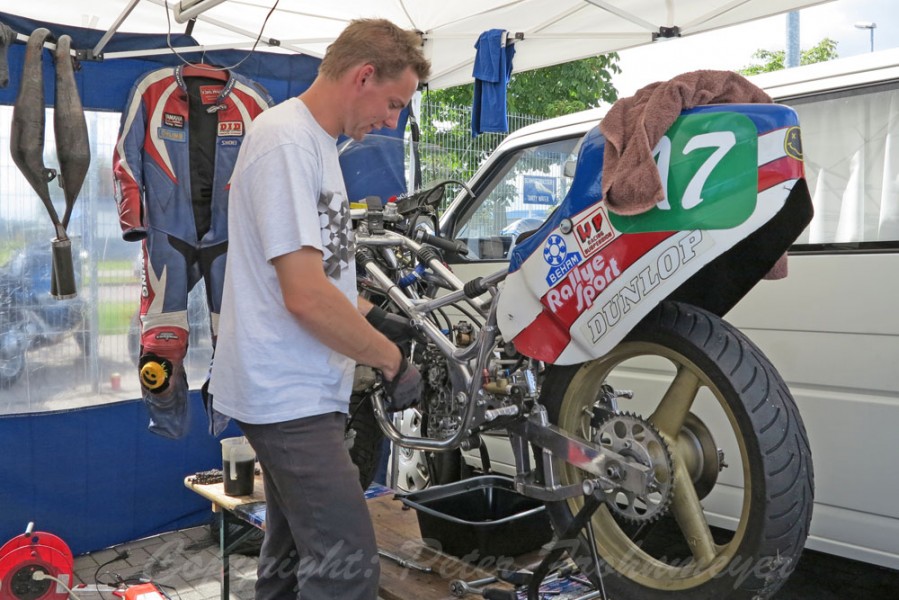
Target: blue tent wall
<point>104,84</point>
<point>95,476</point>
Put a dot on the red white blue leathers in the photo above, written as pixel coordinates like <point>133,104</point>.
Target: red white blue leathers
<point>179,139</point>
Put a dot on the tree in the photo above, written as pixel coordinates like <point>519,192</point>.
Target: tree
<point>539,94</point>
<point>565,88</point>
<point>550,91</point>
<point>774,60</point>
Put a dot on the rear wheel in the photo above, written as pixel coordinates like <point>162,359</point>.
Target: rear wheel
<point>742,496</point>
<point>418,469</point>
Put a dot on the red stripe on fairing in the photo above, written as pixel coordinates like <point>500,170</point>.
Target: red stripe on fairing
<point>547,336</point>
<point>777,171</point>
<point>544,339</point>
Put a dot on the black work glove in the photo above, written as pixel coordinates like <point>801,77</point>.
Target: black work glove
<point>405,389</point>
<point>396,328</point>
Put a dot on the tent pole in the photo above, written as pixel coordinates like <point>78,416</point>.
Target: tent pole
<point>115,26</point>
<point>602,4</point>
<point>179,49</point>
<point>252,35</point>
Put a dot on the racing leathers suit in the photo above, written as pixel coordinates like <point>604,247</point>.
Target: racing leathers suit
<point>178,141</point>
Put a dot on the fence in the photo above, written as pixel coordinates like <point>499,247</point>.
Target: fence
<point>447,148</point>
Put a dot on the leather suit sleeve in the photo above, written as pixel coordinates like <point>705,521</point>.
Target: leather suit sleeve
<point>127,168</point>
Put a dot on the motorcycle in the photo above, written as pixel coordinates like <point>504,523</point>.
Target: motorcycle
<point>699,482</point>
<point>29,316</point>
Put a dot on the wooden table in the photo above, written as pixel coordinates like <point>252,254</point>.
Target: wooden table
<point>239,517</point>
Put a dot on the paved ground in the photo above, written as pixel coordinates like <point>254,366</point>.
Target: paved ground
<point>184,563</point>
<point>187,563</point>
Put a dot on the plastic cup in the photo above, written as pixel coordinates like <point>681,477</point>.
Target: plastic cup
<point>238,466</point>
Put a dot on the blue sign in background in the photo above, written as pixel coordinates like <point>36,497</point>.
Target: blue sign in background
<point>539,189</point>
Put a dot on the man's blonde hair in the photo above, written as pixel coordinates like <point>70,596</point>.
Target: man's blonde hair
<point>380,43</point>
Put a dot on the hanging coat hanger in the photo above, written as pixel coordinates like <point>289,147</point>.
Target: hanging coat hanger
<point>204,70</point>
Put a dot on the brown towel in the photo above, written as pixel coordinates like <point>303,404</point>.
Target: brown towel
<point>634,125</point>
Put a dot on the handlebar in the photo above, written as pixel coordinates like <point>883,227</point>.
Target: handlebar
<point>444,244</point>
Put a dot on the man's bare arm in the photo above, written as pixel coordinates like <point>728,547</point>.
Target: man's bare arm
<point>322,309</point>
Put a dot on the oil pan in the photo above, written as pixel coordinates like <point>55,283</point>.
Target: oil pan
<point>479,517</point>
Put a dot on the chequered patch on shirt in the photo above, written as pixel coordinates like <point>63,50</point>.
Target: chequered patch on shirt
<point>338,244</point>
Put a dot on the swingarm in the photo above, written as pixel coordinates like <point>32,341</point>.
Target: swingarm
<point>611,470</point>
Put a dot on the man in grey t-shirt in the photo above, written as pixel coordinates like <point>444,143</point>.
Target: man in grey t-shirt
<point>292,327</point>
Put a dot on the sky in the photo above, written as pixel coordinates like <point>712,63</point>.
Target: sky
<point>732,48</point>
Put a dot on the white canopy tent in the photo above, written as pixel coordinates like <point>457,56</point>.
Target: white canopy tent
<point>97,459</point>
<point>546,32</point>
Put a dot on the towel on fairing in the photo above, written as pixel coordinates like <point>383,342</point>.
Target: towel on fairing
<point>492,69</point>
<point>633,126</point>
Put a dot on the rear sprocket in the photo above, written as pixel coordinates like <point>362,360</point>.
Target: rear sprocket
<point>639,442</point>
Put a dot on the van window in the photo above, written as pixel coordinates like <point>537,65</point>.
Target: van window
<point>531,183</point>
<point>851,144</point>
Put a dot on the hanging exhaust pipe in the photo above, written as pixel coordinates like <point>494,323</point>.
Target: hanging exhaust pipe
<point>27,146</point>
<point>74,155</point>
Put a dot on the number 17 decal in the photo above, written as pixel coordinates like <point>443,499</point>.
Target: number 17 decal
<point>708,165</point>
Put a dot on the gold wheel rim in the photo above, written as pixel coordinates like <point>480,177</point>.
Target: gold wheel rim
<point>613,544</point>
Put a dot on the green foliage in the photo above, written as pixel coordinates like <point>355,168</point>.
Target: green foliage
<point>550,91</point>
<point>537,94</point>
<point>565,88</point>
<point>774,60</point>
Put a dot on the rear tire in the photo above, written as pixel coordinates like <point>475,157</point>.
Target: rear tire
<point>705,368</point>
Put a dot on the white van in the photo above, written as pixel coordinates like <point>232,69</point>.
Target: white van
<point>831,327</point>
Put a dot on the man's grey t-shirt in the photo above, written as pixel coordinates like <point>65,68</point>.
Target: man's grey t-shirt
<point>287,191</point>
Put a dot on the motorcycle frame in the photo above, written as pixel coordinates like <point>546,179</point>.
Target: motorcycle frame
<point>611,470</point>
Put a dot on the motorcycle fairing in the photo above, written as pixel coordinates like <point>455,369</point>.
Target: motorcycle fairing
<point>736,197</point>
